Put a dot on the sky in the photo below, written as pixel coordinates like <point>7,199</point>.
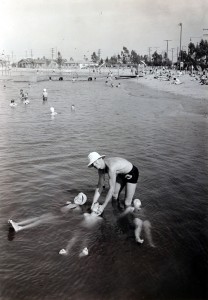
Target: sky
<point>80,27</point>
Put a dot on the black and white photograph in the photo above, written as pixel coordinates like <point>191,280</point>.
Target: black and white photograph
<point>104,150</point>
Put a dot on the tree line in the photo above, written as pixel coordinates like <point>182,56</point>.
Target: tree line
<point>197,55</point>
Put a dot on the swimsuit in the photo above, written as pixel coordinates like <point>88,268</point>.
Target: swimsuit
<point>131,177</point>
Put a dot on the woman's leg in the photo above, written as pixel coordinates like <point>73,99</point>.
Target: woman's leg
<point>130,191</point>
<point>117,191</point>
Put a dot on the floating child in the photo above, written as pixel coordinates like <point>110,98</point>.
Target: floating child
<point>12,103</point>
<point>79,200</point>
<point>140,222</point>
<point>53,112</point>
<point>88,224</point>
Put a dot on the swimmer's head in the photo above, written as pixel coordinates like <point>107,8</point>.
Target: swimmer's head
<point>137,203</point>
<point>52,109</point>
<point>44,90</point>
<point>80,199</point>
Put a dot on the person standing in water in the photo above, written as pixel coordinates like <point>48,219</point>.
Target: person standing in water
<point>122,173</point>
<point>45,95</point>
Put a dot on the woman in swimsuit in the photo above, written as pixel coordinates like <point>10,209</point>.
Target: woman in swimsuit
<point>121,174</point>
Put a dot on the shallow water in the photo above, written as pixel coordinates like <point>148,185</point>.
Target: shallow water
<point>43,164</point>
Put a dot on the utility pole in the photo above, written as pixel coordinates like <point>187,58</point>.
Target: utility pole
<point>99,53</point>
<point>149,52</point>
<point>205,34</point>
<point>172,54</point>
<point>167,46</point>
<point>180,24</point>
<point>52,52</point>
<point>31,53</point>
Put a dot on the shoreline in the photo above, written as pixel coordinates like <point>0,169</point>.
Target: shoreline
<point>189,87</point>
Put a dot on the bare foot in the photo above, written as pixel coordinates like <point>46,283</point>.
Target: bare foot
<point>128,203</point>
<point>15,226</point>
<point>141,241</point>
<point>63,252</point>
<point>84,252</point>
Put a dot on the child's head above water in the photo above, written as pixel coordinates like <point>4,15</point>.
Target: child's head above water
<point>137,203</point>
<point>80,199</point>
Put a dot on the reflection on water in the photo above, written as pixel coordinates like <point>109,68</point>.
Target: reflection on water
<point>43,165</point>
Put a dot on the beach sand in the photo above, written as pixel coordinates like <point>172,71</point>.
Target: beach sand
<point>189,87</point>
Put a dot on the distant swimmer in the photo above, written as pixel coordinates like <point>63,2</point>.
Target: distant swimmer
<point>73,79</point>
<point>73,107</point>
<point>22,96</point>
<point>12,103</point>
<point>26,100</point>
<point>118,85</point>
<point>26,96</point>
<point>53,112</point>
<point>45,95</point>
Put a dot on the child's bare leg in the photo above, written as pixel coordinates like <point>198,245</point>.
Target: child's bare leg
<point>15,225</point>
<point>147,230</point>
<point>30,223</point>
<point>32,220</point>
<point>69,246</point>
<point>138,223</point>
<point>84,249</point>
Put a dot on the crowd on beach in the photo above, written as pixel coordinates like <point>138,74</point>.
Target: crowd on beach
<point>173,76</point>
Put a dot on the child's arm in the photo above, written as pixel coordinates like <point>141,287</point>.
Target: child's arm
<point>128,210</point>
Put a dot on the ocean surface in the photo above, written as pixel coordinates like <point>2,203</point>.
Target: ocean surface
<point>43,164</point>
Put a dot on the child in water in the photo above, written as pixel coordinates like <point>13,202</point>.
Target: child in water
<point>12,103</point>
<point>79,200</point>
<point>89,221</point>
<point>140,222</point>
